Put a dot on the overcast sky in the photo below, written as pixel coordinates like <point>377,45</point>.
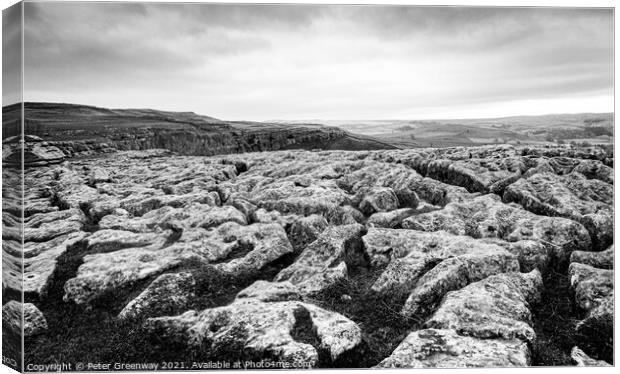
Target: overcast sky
<point>331,62</point>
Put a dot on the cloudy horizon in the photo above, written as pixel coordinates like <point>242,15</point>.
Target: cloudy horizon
<point>261,62</point>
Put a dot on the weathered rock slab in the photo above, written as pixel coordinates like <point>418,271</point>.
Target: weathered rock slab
<point>326,260</point>
<point>497,307</point>
<point>438,348</point>
<point>260,329</point>
<point>167,295</point>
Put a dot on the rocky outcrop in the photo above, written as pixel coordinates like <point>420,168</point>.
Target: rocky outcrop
<point>319,235</point>
<point>428,265</point>
<point>260,327</point>
<point>182,132</point>
<point>30,151</point>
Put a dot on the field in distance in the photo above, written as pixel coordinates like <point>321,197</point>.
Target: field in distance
<point>589,128</point>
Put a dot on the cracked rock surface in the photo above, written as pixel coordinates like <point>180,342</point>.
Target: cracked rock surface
<point>387,258</point>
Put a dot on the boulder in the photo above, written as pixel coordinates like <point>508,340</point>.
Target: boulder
<point>438,348</point>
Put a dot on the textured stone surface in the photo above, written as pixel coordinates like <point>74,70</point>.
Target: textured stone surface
<point>40,262</point>
<point>305,230</point>
<point>233,248</point>
<point>478,175</point>
<point>596,330</point>
<point>166,295</point>
<point>427,265</point>
<point>580,358</point>
<point>595,169</point>
<point>603,259</point>
<point>496,307</point>
<point>391,219</point>
<point>259,328</point>
<point>326,260</point>
<point>591,285</point>
<point>437,348</point>
<point>34,320</point>
<point>381,199</point>
<point>270,291</point>
<point>428,225</point>
<point>487,217</point>
<point>587,201</point>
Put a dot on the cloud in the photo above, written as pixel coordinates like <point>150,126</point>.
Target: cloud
<point>11,54</point>
<point>314,61</point>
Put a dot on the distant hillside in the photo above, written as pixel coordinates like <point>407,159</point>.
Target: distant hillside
<point>183,132</point>
<point>594,128</point>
